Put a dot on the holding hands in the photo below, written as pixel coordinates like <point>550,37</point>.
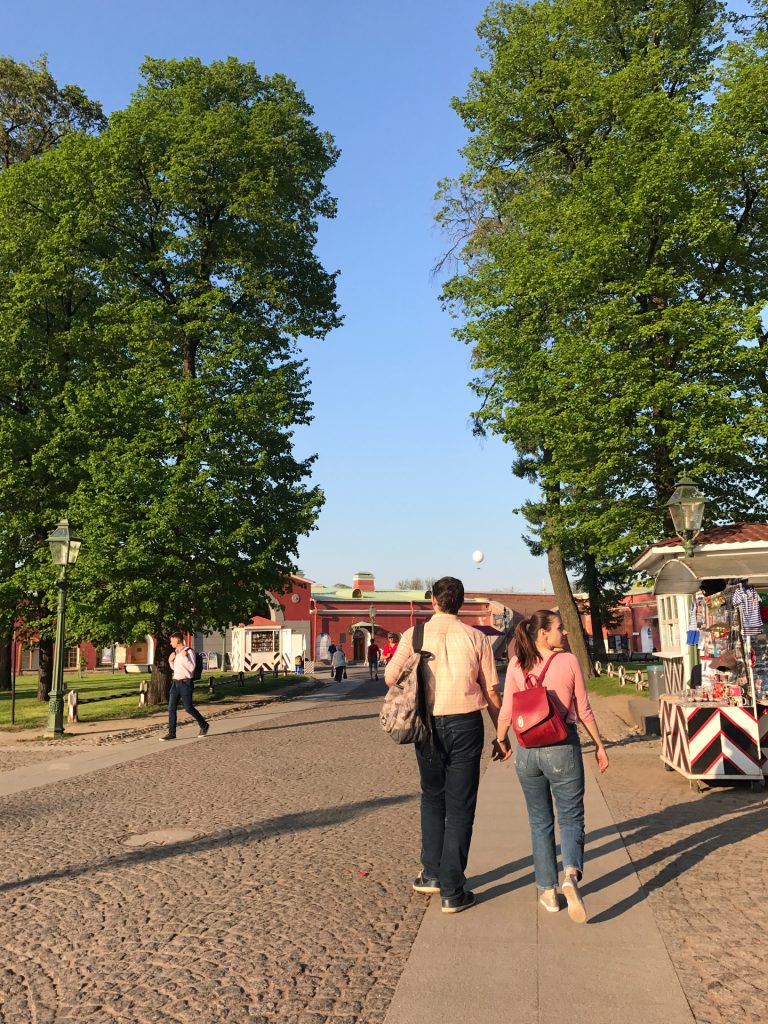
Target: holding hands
<point>501,750</point>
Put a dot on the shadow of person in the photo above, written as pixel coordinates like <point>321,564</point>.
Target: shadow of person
<point>673,858</point>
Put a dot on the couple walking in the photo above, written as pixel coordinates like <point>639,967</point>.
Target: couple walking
<point>460,681</point>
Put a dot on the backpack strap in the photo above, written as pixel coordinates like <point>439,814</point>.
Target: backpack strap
<point>417,642</point>
<point>538,680</point>
<point>418,637</point>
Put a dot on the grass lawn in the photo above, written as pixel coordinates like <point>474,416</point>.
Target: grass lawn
<point>32,713</point>
<point>607,686</point>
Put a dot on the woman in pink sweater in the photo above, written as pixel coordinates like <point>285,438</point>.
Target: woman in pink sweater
<point>556,771</point>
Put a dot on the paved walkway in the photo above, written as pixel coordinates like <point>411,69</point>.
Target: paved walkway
<point>511,959</point>
<point>262,875</point>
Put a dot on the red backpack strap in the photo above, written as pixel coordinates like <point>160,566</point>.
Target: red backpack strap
<point>538,680</point>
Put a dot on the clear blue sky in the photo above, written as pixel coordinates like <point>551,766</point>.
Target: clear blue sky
<point>409,491</point>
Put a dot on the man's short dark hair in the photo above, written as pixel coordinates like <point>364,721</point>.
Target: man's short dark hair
<point>178,635</point>
<point>449,594</point>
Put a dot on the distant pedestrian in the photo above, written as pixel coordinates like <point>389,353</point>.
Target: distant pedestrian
<point>555,771</point>
<point>389,648</point>
<point>373,659</point>
<point>460,680</point>
<point>182,662</point>
<point>299,665</point>
<point>338,664</point>
<point>331,652</point>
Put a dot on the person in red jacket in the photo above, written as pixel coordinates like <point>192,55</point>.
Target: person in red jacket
<point>389,648</point>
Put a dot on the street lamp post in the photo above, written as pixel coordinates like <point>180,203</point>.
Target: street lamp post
<point>65,547</point>
<point>686,506</point>
<point>372,614</point>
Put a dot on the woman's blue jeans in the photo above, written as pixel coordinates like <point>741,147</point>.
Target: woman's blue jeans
<point>544,773</point>
<point>450,775</point>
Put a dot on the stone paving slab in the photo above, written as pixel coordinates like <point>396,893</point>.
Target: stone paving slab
<point>509,957</point>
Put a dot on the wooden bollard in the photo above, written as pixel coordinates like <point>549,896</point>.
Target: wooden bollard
<point>72,706</point>
<point>639,681</point>
<point>598,668</point>
<point>622,674</point>
<point>211,684</point>
<point>609,669</point>
<point>241,678</point>
<point>143,692</point>
<point>261,673</point>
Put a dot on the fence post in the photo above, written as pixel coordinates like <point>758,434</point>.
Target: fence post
<point>638,680</point>
<point>622,674</point>
<point>72,706</point>
<point>143,691</point>
<point>241,678</point>
<point>609,669</point>
<point>211,684</point>
<point>598,668</point>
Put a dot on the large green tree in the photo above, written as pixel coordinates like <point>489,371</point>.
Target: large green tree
<point>612,224</point>
<point>42,302</point>
<point>193,220</point>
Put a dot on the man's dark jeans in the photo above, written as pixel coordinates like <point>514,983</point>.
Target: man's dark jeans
<point>450,776</point>
<point>181,690</point>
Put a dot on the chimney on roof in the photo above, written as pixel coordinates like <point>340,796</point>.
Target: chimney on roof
<point>363,581</point>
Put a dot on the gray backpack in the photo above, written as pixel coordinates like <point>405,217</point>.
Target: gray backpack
<point>404,714</point>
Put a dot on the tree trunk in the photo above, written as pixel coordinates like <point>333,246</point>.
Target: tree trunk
<point>569,613</point>
<point>45,670</point>
<point>160,681</point>
<point>592,583</point>
<point>6,660</point>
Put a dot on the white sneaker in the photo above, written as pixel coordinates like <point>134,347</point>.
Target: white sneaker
<point>548,899</point>
<point>576,909</point>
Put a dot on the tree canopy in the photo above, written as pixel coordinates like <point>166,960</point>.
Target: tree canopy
<point>611,222</point>
<point>35,112</point>
<point>179,245</point>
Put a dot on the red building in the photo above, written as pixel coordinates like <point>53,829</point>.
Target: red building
<point>350,616</point>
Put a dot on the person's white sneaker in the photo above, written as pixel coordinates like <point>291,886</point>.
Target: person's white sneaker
<point>548,899</point>
<point>576,909</point>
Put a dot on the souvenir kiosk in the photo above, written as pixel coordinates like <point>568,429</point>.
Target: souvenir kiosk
<point>714,645</point>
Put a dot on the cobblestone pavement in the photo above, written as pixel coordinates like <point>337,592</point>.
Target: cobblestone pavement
<point>703,862</point>
<point>263,876</point>
<point>271,885</point>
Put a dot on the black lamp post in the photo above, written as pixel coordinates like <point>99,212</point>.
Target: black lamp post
<point>65,547</point>
<point>686,506</point>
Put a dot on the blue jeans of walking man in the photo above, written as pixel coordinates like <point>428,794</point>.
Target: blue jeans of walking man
<point>450,775</point>
<point>181,690</point>
<point>544,773</point>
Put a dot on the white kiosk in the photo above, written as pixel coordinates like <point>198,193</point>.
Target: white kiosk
<point>714,715</point>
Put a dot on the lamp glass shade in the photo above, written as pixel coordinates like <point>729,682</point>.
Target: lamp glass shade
<point>64,545</point>
<point>686,506</point>
<point>58,550</point>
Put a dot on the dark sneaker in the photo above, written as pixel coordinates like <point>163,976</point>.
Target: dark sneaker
<point>422,883</point>
<point>203,730</point>
<point>455,904</point>
<point>164,739</point>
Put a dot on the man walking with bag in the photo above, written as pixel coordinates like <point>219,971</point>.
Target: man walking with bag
<point>183,662</point>
<point>459,680</point>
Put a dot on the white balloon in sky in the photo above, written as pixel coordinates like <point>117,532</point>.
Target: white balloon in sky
<point>477,556</point>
